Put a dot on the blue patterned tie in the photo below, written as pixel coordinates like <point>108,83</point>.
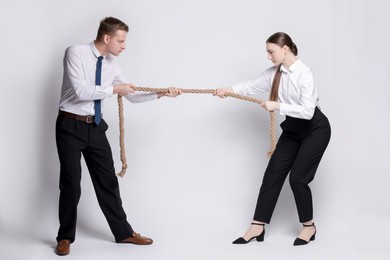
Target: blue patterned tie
<point>98,79</point>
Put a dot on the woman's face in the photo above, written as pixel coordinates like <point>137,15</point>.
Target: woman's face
<point>276,53</point>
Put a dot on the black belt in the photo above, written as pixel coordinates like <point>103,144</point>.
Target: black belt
<point>86,119</point>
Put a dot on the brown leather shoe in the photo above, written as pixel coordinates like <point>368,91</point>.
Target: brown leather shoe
<point>137,239</point>
<point>63,247</point>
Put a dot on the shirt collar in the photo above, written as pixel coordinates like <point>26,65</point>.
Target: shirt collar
<point>95,50</point>
<point>293,66</point>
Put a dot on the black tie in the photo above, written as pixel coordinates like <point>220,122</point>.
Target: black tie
<point>98,79</point>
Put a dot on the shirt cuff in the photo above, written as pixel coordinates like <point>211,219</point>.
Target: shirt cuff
<point>110,91</point>
<point>237,88</point>
<point>283,109</point>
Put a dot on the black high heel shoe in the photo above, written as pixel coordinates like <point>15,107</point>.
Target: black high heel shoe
<point>259,238</point>
<point>301,242</point>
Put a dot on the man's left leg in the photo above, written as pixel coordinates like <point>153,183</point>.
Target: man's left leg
<point>98,157</point>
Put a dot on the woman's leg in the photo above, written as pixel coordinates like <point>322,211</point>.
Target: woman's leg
<point>273,180</point>
<point>303,172</point>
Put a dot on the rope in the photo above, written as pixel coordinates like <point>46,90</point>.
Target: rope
<point>122,137</point>
<point>189,91</point>
<point>273,134</point>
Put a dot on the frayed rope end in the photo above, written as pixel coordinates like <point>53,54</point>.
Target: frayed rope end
<point>123,172</point>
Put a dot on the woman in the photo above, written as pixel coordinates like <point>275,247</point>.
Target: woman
<point>305,136</point>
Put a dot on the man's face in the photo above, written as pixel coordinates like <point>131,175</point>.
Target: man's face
<point>117,42</point>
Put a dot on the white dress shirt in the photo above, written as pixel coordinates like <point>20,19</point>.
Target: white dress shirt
<point>297,94</point>
<point>78,87</point>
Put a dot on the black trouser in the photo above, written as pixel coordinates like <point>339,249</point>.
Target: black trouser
<point>73,139</point>
<point>298,151</point>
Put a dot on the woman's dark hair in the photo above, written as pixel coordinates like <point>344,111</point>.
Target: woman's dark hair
<point>280,39</point>
<point>110,25</point>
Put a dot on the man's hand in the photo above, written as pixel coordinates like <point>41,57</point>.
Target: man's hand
<point>172,92</point>
<point>123,89</point>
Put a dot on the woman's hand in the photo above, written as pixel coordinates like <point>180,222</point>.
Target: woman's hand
<point>220,92</point>
<point>270,105</point>
<point>172,92</point>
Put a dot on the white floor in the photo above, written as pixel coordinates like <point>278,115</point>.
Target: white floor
<point>353,241</point>
<point>276,246</point>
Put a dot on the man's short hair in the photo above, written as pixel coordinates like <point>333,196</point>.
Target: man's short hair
<point>110,25</point>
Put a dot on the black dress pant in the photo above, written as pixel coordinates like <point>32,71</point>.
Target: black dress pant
<point>73,139</point>
<point>298,152</point>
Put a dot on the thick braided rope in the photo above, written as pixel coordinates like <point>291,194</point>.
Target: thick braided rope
<point>122,137</point>
<point>273,134</point>
<point>200,91</point>
<point>189,91</point>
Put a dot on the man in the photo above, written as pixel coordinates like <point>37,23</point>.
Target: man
<point>91,74</point>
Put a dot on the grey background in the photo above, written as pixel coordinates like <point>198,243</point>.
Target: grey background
<point>196,162</point>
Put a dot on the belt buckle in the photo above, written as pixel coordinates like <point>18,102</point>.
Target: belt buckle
<point>89,119</point>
